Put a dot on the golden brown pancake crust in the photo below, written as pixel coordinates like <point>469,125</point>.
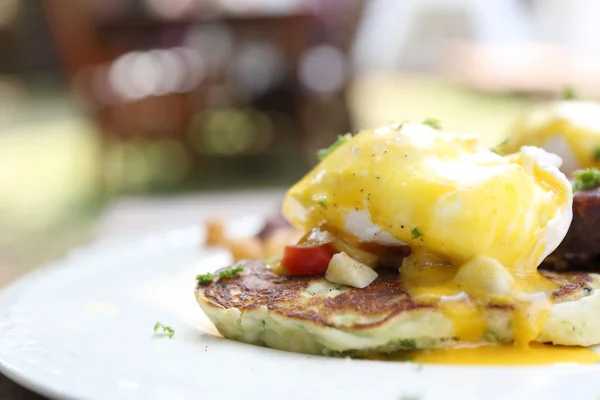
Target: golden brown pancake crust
<point>571,285</point>
<point>383,299</point>
<point>257,286</point>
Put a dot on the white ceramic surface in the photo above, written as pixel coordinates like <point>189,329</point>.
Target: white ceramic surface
<point>82,328</point>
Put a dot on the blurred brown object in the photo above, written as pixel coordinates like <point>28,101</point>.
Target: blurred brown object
<point>271,241</point>
<point>236,92</point>
<point>249,248</point>
<point>215,233</point>
<point>275,243</point>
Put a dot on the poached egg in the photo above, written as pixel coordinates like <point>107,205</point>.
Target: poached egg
<point>478,223</point>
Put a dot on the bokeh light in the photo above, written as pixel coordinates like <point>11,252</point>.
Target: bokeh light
<point>257,67</point>
<point>137,74</point>
<point>216,40</point>
<point>323,69</point>
<point>9,10</point>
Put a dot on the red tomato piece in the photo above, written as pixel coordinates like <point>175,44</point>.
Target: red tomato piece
<point>307,260</point>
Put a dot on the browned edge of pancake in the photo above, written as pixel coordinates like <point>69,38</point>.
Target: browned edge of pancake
<point>383,299</point>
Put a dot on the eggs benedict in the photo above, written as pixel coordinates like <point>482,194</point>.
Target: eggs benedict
<point>415,239</point>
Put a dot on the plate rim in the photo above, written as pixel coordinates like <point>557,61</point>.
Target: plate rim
<point>131,245</point>
<point>125,244</point>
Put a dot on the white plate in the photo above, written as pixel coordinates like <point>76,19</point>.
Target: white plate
<point>82,328</point>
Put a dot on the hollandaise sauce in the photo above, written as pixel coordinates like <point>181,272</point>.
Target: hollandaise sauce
<point>535,354</point>
<point>478,225</point>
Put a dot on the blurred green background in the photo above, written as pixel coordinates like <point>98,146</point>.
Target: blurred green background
<point>105,99</point>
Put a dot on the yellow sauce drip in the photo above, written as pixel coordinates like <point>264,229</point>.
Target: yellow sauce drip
<point>535,354</point>
<point>468,319</point>
<point>450,200</point>
<point>437,191</point>
<point>433,284</point>
<point>528,322</point>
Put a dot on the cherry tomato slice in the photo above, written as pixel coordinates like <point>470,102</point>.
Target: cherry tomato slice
<point>307,260</point>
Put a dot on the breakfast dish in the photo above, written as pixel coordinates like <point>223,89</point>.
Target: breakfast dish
<point>68,339</point>
<point>414,239</point>
<point>569,128</point>
<point>315,316</point>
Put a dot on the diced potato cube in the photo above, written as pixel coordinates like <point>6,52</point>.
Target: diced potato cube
<point>347,271</point>
<point>484,276</point>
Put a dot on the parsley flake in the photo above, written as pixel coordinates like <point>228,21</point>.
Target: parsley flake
<point>497,148</point>
<point>397,126</point>
<point>166,330</point>
<point>231,272</point>
<point>569,93</point>
<point>205,279</point>
<point>416,233</point>
<point>322,201</point>
<point>433,123</point>
<point>323,153</point>
<point>586,179</point>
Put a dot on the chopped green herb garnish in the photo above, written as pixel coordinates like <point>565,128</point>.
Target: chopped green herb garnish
<point>321,154</point>
<point>586,179</point>
<point>416,233</point>
<point>341,288</point>
<point>434,123</point>
<point>166,330</point>
<point>397,126</point>
<point>569,93</point>
<point>322,201</point>
<point>597,154</point>
<point>205,279</point>
<point>496,149</point>
<point>231,272</point>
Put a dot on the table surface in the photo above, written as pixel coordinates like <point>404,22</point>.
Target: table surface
<point>132,217</point>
